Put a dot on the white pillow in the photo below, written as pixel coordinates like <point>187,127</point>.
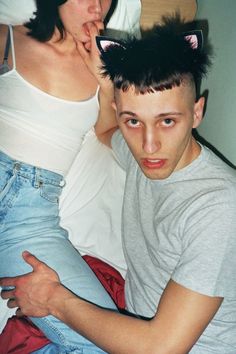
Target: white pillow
<point>16,12</point>
<point>126,17</point>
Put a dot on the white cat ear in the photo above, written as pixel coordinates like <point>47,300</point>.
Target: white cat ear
<point>105,42</point>
<point>195,38</point>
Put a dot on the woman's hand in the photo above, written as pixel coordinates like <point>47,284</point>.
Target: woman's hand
<point>33,292</point>
<point>91,57</point>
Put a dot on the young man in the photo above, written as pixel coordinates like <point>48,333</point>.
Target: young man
<point>179,228</point>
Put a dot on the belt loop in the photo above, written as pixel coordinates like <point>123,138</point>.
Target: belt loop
<point>37,182</point>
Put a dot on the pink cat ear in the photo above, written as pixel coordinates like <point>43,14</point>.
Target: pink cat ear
<point>105,42</point>
<point>195,38</point>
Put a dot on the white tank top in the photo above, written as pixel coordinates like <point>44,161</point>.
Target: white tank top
<point>40,129</point>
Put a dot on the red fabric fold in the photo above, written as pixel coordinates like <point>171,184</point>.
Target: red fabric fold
<point>110,278</point>
<point>21,336</point>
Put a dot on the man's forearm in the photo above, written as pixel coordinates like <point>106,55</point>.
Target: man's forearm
<point>182,314</point>
<point>109,330</point>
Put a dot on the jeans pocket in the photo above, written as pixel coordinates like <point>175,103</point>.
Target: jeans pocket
<point>50,192</point>
<point>7,178</point>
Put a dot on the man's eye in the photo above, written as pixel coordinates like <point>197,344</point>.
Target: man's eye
<point>133,122</point>
<point>168,122</point>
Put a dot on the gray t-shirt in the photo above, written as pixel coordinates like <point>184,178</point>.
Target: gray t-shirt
<point>182,228</point>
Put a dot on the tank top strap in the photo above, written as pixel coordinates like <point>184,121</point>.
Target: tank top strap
<point>4,67</point>
<point>11,40</point>
<point>9,43</point>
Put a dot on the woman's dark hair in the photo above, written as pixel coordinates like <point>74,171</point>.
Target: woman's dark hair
<point>46,19</point>
<point>42,26</point>
<point>110,12</point>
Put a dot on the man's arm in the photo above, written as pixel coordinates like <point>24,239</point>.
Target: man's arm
<point>182,314</point>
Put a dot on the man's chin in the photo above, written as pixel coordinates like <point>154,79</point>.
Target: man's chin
<point>155,175</point>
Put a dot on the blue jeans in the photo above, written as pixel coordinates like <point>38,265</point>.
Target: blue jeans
<point>29,221</point>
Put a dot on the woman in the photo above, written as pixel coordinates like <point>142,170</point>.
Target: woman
<point>52,101</point>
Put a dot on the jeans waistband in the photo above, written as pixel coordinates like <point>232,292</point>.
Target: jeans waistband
<point>36,174</point>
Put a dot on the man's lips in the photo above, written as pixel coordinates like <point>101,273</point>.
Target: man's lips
<point>153,163</point>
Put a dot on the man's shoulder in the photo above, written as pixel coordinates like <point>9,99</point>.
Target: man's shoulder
<point>218,170</point>
<point>120,149</point>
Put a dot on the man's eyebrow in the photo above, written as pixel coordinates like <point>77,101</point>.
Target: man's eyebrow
<point>161,115</point>
<point>128,113</point>
<point>166,114</point>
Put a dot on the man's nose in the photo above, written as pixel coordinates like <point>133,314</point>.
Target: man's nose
<point>151,143</point>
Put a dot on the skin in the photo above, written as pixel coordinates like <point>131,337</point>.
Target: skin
<point>160,138</point>
<point>89,11</point>
<point>182,314</point>
<point>164,131</point>
<point>57,67</point>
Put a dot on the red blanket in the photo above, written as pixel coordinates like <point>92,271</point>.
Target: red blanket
<point>20,336</point>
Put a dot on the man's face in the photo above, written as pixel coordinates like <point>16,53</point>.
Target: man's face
<point>158,128</point>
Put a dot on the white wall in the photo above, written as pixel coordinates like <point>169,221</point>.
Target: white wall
<point>219,124</point>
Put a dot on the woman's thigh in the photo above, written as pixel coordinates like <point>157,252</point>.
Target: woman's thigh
<point>30,221</point>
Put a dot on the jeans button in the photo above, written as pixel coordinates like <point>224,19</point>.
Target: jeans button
<point>17,166</point>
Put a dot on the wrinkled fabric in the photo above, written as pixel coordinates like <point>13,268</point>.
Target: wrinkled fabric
<point>21,336</point>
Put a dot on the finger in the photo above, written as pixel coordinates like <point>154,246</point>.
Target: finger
<point>33,261</point>
<point>12,303</point>
<point>4,282</point>
<point>95,27</point>
<point>94,32</point>
<point>99,25</point>
<point>7,294</point>
<point>82,51</point>
<point>19,313</point>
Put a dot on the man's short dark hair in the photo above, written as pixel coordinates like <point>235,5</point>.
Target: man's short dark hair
<point>163,58</point>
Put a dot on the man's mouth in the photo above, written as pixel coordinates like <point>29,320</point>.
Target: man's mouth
<point>153,163</point>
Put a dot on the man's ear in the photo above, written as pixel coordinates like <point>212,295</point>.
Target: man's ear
<point>198,111</point>
<point>103,43</point>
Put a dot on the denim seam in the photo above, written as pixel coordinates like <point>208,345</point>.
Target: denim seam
<point>62,338</point>
<point>7,187</point>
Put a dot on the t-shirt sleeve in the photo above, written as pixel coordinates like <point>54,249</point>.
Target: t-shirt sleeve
<point>120,149</point>
<point>208,259</point>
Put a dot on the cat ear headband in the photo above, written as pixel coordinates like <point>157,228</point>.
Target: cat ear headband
<point>195,38</point>
<point>104,42</point>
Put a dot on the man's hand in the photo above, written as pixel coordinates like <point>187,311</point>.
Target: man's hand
<point>32,292</point>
